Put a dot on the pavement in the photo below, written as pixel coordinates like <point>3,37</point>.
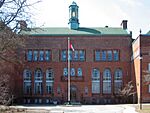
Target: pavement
<point>83,108</point>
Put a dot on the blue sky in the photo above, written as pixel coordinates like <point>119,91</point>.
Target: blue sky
<point>95,13</point>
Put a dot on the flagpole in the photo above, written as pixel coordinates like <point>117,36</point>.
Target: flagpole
<point>68,70</point>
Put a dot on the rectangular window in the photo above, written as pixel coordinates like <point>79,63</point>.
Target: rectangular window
<point>103,55</point>
<point>27,87</point>
<point>82,55</point>
<point>35,55</point>
<point>47,55</point>
<point>97,55</point>
<point>76,56</point>
<point>109,53</point>
<point>116,55</point>
<point>49,87</point>
<point>95,87</point>
<point>106,87</point>
<point>41,56</point>
<point>63,55</point>
<point>70,55</point>
<point>38,87</point>
<point>29,55</point>
<point>118,85</point>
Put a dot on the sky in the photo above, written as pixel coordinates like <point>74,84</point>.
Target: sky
<point>95,13</point>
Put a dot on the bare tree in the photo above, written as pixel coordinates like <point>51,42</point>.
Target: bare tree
<point>12,12</point>
<point>128,91</point>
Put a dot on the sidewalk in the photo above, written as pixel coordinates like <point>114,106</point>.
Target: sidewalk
<point>82,109</point>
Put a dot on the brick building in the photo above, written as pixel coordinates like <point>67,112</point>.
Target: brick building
<point>100,65</point>
<point>141,66</point>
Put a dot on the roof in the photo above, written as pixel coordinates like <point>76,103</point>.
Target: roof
<point>82,31</point>
<point>148,33</point>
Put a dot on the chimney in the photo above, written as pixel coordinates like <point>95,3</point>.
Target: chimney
<point>124,24</point>
<point>23,25</point>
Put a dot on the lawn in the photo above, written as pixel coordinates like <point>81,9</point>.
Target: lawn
<point>145,109</point>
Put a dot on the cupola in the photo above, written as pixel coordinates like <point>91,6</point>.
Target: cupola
<point>73,16</point>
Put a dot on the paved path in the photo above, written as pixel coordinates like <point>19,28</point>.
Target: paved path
<point>85,109</point>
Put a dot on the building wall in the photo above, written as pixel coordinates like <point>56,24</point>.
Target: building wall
<point>140,62</point>
<point>89,44</point>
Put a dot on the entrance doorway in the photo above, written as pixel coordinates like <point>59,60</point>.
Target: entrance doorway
<point>73,93</point>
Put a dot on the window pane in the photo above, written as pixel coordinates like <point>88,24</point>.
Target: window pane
<point>35,58</point>
<point>95,87</point>
<point>82,55</point>
<point>47,55</point>
<point>116,55</point>
<point>41,56</point>
<point>70,55</point>
<point>106,87</point>
<point>38,75</point>
<point>106,81</point>
<point>72,72</point>
<point>95,74</point>
<point>63,55</point>
<point>118,74</point>
<point>76,56</point>
<point>38,88</point>
<point>118,85</point>
<point>103,55</point>
<point>107,75</point>
<point>29,55</point>
<point>109,55</point>
<point>97,55</point>
<point>65,72</point>
<point>79,72</point>
<point>27,75</point>
<point>49,74</point>
<point>49,87</point>
<point>27,87</point>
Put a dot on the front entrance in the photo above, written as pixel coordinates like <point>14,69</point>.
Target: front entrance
<point>73,93</point>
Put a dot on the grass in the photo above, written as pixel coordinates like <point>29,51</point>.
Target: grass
<point>145,109</point>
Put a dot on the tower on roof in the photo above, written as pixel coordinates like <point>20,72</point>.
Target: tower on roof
<point>73,16</point>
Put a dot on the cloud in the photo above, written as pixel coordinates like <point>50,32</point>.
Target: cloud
<point>132,3</point>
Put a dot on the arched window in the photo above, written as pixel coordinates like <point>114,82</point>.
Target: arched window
<point>27,81</point>
<point>49,74</point>
<point>65,72</point>
<point>72,72</point>
<point>38,78</point>
<point>95,80</point>
<point>118,80</point>
<point>27,75</point>
<point>79,71</point>
<point>106,81</point>
<point>49,81</point>
<point>95,73</point>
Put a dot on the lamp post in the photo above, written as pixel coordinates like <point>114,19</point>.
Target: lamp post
<point>68,71</point>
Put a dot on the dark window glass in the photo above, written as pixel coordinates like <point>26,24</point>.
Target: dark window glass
<point>82,55</point>
<point>29,55</point>
<point>97,55</point>
<point>109,53</point>
<point>116,55</point>
<point>76,55</point>
<point>47,55</point>
<point>41,56</point>
<point>64,55</point>
<point>35,55</point>
<point>103,55</point>
<point>70,55</point>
